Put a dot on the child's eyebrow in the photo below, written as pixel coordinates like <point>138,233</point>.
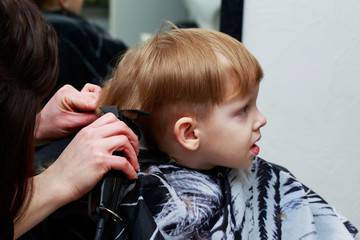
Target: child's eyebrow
<point>236,97</point>
<point>236,103</point>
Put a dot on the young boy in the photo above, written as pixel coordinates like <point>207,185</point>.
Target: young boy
<point>201,177</point>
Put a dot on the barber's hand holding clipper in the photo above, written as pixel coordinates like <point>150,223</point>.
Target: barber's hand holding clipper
<point>85,160</point>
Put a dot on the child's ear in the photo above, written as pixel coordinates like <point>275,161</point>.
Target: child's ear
<point>186,133</point>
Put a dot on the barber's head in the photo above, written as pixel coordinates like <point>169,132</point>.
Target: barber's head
<point>28,71</point>
<point>28,49</point>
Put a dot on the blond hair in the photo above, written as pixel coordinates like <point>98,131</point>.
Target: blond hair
<point>177,73</point>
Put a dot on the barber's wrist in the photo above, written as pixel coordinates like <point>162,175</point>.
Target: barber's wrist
<point>39,131</point>
<point>53,190</point>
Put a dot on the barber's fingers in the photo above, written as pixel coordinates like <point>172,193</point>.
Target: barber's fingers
<point>104,120</point>
<point>84,102</point>
<point>108,125</point>
<point>76,120</point>
<point>73,100</point>
<point>115,136</point>
<point>106,158</point>
<point>122,164</point>
<point>120,143</point>
<point>120,128</point>
<point>91,88</point>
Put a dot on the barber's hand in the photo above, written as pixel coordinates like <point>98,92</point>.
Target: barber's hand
<point>89,156</point>
<point>67,111</point>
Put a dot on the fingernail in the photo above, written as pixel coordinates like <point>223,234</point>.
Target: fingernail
<point>135,175</point>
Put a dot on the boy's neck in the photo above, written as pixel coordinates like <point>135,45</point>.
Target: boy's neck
<point>185,157</point>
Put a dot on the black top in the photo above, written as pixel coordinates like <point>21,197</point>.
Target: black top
<point>7,231</point>
<point>87,53</point>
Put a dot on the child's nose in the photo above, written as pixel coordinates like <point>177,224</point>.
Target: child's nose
<point>260,120</point>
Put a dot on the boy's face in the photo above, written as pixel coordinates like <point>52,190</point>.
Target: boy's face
<point>229,135</point>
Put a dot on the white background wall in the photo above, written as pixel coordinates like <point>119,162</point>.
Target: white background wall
<point>130,18</point>
<point>310,53</point>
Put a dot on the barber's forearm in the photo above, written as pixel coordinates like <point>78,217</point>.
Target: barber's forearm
<point>46,199</point>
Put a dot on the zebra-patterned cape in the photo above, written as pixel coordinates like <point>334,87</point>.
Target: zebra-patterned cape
<point>169,201</point>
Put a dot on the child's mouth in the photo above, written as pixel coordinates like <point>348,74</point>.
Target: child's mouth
<point>255,149</point>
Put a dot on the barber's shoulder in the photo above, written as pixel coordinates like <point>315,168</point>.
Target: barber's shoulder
<point>63,24</point>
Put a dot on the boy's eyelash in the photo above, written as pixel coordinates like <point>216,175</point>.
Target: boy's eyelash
<point>243,111</point>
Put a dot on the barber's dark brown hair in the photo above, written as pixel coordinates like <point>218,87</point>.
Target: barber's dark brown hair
<point>28,71</point>
<point>43,4</point>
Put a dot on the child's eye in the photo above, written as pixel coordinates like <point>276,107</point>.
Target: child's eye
<point>243,111</point>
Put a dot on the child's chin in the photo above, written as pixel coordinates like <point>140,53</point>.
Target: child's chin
<point>248,163</point>
<point>245,164</point>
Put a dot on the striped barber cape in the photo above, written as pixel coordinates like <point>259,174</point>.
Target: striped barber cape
<point>265,201</point>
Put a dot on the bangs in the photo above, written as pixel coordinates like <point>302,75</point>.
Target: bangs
<point>192,66</point>
<point>238,69</point>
